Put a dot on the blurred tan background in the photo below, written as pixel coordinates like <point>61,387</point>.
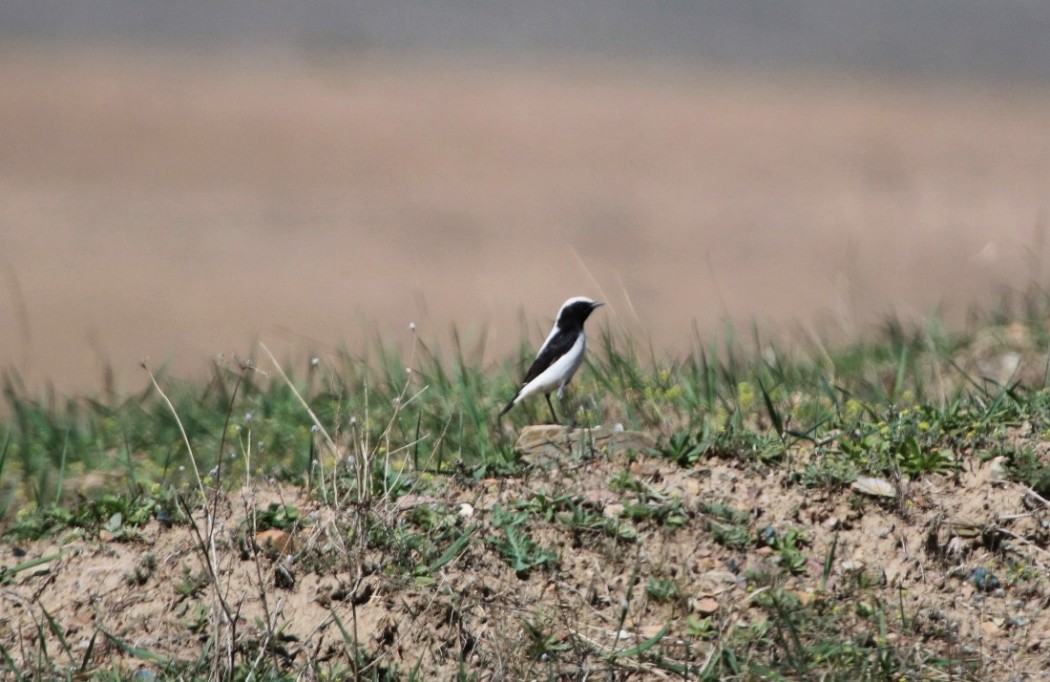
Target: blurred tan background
<point>182,198</point>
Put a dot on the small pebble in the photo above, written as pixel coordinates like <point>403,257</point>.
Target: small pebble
<point>983,579</point>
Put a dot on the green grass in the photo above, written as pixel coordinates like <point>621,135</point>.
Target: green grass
<point>875,408</point>
<point>901,405</point>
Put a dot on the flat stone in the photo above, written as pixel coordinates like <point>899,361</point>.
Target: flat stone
<point>644,469</point>
<point>991,628</point>
<point>998,469</point>
<point>853,566</point>
<point>877,487</point>
<point>805,598</point>
<point>555,442</point>
<point>411,501</point>
<point>597,499</point>
<point>685,489</point>
<point>275,539</point>
<point>715,581</point>
<point>706,606</point>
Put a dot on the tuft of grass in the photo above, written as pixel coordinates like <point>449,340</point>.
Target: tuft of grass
<point>516,547</point>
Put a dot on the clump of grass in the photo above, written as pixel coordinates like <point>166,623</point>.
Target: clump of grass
<point>120,515</point>
<point>516,546</point>
<point>1031,469</point>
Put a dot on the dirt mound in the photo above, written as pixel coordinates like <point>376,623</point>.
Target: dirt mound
<point>588,565</point>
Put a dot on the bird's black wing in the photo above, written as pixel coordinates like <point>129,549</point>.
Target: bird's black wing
<point>560,344</point>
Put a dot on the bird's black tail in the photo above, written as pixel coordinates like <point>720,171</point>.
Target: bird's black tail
<point>506,409</point>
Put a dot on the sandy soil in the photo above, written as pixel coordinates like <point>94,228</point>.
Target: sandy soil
<point>180,206</point>
<point>912,558</point>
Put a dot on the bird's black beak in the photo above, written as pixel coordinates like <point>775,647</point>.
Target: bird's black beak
<point>596,304</point>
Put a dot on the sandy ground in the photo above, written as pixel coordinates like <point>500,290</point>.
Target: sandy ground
<point>178,206</point>
<point>911,562</point>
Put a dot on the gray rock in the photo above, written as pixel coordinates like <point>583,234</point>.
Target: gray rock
<point>541,442</point>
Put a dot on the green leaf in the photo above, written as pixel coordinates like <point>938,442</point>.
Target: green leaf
<point>774,415</point>
<point>453,550</point>
<point>137,652</point>
<point>115,522</point>
<point>644,646</point>
<point>6,573</point>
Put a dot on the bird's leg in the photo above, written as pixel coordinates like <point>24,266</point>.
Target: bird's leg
<point>551,405</point>
<point>566,408</point>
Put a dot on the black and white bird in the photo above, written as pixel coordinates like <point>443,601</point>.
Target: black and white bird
<point>560,355</point>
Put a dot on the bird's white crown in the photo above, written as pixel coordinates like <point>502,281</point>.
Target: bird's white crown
<point>575,311</point>
<point>575,299</point>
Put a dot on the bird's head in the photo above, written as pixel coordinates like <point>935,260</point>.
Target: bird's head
<point>575,311</point>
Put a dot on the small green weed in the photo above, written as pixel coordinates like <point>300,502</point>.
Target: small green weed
<point>515,546</point>
<point>119,515</point>
<point>662,590</point>
<point>1028,468</point>
<point>667,513</point>
<point>278,516</point>
<point>788,546</point>
<point>191,584</point>
<point>143,571</point>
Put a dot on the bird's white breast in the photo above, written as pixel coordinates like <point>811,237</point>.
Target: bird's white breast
<point>559,373</point>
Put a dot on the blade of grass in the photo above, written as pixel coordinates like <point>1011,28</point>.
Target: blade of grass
<point>89,652</point>
<point>644,646</point>
<point>774,414</point>
<point>453,550</point>
<point>348,641</point>
<point>62,466</point>
<point>137,652</point>
<point>829,562</point>
<point>57,632</point>
<point>5,655</point>
<point>6,573</point>
<point>902,369</point>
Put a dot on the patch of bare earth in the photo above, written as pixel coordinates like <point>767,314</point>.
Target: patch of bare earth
<point>954,564</point>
